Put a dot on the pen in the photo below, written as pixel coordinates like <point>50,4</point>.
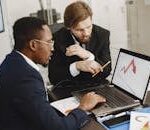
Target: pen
<point>102,68</point>
<point>120,114</point>
<point>107,117</point>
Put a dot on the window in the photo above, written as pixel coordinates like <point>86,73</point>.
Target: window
<point>1,19</point>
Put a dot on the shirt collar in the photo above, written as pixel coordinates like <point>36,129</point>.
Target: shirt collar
<point>29,61</point>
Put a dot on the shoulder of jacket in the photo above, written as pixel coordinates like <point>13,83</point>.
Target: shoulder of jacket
<point>61,31</point>
<point>100,29</point>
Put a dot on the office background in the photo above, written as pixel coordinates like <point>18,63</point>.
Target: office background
<point>127,20</point>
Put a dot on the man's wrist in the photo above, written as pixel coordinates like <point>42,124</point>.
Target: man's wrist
<point>82,107</point>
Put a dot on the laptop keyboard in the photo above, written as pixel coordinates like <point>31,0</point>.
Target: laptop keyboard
<point>114,98</point>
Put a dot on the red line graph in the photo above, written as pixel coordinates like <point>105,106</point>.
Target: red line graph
<point>130,65</point>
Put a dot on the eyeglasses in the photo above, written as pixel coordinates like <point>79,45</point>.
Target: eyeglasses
<point>51,42</point>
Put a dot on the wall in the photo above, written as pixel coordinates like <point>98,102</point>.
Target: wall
<point>20,8</point>
<point>111,14</point>
<point>5,40</point>
<point>12,10</point>
<point>138,13</point>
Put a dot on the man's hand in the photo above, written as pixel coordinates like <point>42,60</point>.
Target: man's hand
<point>90,100</point>
<point>90,66</point>
<point>78,51</point>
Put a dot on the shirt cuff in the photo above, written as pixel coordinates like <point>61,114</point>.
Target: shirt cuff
<point>73,70</point>
<point>81,117</point>
<point>91,57</point>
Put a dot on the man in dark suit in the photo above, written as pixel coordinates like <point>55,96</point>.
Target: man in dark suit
<point>81,48</point>
<point>23,102</point>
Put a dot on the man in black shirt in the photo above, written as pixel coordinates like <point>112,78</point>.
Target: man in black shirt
<point>81,48</point>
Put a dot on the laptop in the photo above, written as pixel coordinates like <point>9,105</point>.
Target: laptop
<point>128,85</point>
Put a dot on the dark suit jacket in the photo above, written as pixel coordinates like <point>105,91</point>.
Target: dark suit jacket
<point>59,64</point>
<point>23,104</point>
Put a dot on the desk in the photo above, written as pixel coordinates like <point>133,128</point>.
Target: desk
<point>65,89</point>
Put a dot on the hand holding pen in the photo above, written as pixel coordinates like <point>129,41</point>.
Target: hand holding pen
<point>102,68</point>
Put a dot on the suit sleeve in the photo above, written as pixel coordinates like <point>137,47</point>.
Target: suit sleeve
<point>58,68</point>
<point>31,104</point>
<point>103,55</point>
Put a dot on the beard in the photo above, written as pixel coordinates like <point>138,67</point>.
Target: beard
<point>85,39</point>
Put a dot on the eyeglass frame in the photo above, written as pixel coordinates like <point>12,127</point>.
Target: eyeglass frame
<point>51,43</point>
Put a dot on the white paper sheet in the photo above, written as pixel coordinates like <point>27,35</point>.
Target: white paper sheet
<point>139,121</point>
<point>66,105</point>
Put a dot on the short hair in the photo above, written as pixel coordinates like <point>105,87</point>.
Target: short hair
<point>76,12</point>
<point>26,29</point>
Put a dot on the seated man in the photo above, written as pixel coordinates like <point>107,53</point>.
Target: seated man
<point>23,102</point>
<point>81,48</point>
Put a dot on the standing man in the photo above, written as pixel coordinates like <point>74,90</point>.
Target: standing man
<point>81,48</point>
<point>23,104</point>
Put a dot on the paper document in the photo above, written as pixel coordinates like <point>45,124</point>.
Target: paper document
<point>66,105</point>
<point>139,121</point>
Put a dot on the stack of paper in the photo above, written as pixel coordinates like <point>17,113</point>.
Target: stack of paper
<point>139,121</point>
<point>66,105</point>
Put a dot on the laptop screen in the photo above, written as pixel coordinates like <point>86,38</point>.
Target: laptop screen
<point>132,73</point>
